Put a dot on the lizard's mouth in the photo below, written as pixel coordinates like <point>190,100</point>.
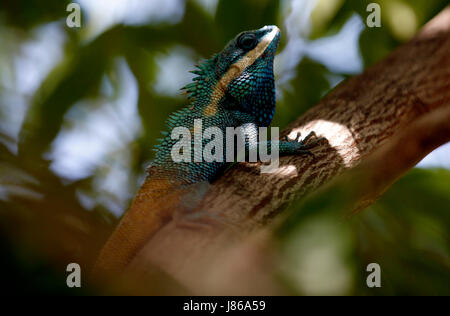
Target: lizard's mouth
<point>269,41</point>
<point>272,31</point>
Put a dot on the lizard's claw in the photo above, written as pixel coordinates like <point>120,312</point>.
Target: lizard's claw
<point>302,146</point>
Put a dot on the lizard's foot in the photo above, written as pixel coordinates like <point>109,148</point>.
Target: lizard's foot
<point>302,146</point>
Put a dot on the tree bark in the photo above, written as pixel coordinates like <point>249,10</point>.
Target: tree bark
<point>364,113</point>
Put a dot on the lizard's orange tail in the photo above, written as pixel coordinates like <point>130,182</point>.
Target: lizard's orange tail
<point>153,205</point>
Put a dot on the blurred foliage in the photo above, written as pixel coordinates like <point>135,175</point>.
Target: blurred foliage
<point>29,13</point>
<point>405,232</point>
<point>44,216</point>
<point>375,43</point>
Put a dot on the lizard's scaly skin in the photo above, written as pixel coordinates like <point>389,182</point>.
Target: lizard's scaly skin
<point>234,88</point>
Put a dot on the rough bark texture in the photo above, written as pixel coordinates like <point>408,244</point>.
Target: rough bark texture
<point>359,116</point>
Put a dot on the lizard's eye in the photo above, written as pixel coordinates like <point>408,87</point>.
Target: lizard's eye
<point>247,41</point>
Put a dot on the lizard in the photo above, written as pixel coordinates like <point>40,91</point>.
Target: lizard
<point>234,88</point>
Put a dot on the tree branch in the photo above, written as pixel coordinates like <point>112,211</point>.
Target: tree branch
<point>359,116</point>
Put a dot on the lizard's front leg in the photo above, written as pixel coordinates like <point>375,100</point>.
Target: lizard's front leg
<point>285,147</point>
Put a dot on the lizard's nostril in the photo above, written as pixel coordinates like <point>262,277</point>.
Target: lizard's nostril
<point>270,27</point>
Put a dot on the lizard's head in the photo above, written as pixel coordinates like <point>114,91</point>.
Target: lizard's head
<point>247,49</point>
<point>241,75</point>
<point>246,68</point>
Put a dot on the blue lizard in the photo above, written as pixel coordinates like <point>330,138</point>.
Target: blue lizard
<point>234,88</point>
